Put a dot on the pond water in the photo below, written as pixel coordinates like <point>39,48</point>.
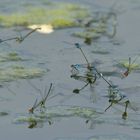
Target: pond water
<point>73,116</point>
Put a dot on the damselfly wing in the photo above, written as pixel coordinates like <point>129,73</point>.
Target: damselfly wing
<point>126,67</point>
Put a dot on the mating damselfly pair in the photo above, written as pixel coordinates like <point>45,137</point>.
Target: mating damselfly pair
<point>90,76</point>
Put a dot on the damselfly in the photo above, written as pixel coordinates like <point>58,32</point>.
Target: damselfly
<point>8,39</point>
<point>89,78</point>
<point>116,96</point>
<point>129,68</point>
<point>22,38</point>
<point>42,102</point>
<point>19,38</point>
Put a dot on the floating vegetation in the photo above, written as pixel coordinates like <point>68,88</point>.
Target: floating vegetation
<point>96,27</point>
<point>28,118</point>
<point>87,34</point>
<point>59,15</point>
<point>57,112</point>
<point>19,72</point>
<point>72,111</point>
<point>12,56</point>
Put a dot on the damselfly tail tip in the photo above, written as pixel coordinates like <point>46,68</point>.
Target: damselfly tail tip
<point>31,110</point>
<point>32,124</point>
<point>76,91</point>
<point>49,122</point>
<point>72,66</point>
<point>124,115</point>
<point>124,75</point>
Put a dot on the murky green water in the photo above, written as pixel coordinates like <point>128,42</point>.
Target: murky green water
<point>69,116</point>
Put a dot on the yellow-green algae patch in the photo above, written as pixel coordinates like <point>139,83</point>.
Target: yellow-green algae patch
<point>95,31</point>
<point>59,111</point>
<point>87,34</point>
<point>19,72</point>
<point>59,15</point>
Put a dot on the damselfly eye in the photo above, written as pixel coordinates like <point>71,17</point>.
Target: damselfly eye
<point>124,115</point>
<point>109,100</point>
<point>77,45</point>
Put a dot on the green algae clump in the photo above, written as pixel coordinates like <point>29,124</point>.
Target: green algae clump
<point>59,15</point>
<point>20,72</point>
